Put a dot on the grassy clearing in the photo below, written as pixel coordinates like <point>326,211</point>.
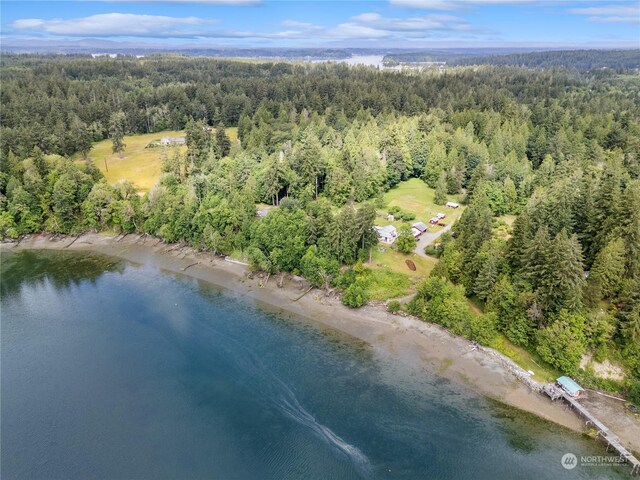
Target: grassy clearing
<point>395,261</point>
<point>414,196</point>
<point>383,284</point>
<point>389,277</point>
<point>527,360</point>
<point>139,164</point>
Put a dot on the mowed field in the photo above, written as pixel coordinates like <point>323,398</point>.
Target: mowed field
<point>414,196</point>
<point>139,164</point>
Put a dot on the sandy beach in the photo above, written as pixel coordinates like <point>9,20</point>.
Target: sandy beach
<point>407,339</point>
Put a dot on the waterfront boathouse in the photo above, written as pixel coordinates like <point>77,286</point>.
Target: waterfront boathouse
<point>570,386</point>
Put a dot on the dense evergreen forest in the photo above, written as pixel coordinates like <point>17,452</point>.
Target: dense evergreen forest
<point>581,60</point>
<point>556,149</point>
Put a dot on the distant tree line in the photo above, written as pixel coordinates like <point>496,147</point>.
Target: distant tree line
<point>581,60</point>
<point>63,104</point>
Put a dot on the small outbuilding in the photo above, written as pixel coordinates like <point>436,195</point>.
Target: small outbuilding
<point>452,205</point>
<point>173,141</point>
<point>421,227</point>
<point>570,386</point>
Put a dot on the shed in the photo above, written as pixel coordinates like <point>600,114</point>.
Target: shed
<point>420,226</point>
<point>452,205</point>
<point>570,386</point>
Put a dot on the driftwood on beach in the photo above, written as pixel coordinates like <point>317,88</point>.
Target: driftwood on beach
<point>306,291</point>
<point>74,240</point>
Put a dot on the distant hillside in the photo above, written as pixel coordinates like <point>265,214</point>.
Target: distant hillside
<point>582,60</point>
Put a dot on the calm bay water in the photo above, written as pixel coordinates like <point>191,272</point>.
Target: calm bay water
<point>118,371</point>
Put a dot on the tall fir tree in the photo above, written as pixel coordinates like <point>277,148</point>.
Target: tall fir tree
<point>562,287</point>
<point>440,197</point>
<point>222,145</point>
<point>117,126</point>
<point>607,273</point>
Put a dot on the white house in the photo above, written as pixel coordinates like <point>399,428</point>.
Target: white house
<point>387,234</point>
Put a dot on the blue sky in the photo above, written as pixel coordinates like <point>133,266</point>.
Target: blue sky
<point>383,23</point>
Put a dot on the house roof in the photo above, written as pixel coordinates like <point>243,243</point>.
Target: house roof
<point>386,231</point>
<point>420,226</point>
<point>570,385</point>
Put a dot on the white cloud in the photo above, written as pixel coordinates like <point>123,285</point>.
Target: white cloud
<point>116,24</point>
<point>460,4</point>
<point>294,23</point>
<point>452,4</point>
<point>364,26</point>
<point>420,23</point>
<point>371,25</point>
<point>611,13</point>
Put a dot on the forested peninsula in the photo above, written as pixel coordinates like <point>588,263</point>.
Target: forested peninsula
<point>544,162</point>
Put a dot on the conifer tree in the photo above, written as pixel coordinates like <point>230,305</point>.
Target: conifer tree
<point>608,270</point>
<point>517,244</point>
<point>537,258</point>
<point>440,197</point>
<point>222,146</point>
<point>487,277</point>
<point>561,288</point>
<point>117,130</point>
<point>630,227</point>
<point>198,140</point>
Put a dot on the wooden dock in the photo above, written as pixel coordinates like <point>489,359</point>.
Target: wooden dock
<point>612,440</point>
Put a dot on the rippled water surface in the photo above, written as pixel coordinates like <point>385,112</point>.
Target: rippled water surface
<point>119,371</point>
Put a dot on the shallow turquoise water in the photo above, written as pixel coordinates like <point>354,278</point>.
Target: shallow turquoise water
<point>118,371</point>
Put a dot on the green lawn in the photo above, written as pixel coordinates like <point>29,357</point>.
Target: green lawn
<point>139,164</point>
<point>384,284</point>
<point>388,275</point>
<point>395,261</point>
<point>543,372</point>
<point>414,196</point>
